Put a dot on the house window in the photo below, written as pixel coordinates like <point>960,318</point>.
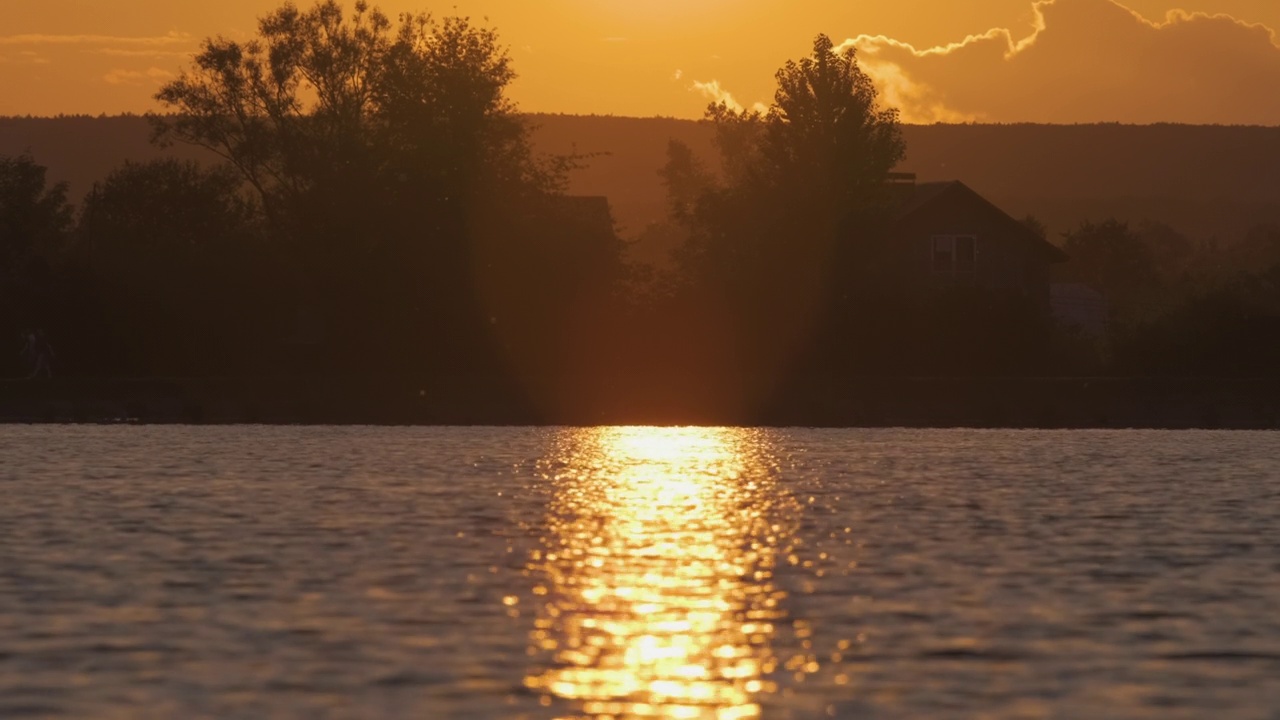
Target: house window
<point>955,255</point>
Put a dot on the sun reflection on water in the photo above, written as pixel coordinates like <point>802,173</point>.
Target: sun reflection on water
<point>656,596</point>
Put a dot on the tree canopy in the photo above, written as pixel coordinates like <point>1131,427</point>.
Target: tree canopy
<point>35,221</point>
<point>796,174</point>
<point>34,213</point>
<point>826,132</point>
<point>386,154</point>
<point>323,103</point>
<point>799,185</point>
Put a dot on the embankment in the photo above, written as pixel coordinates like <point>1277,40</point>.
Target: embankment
<point>1170,403</point>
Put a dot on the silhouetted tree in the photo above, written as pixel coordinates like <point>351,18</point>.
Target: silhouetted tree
<point>1256,253</point>
<point>1113,259</point>
<point>35,218</point>
<point>1229,330</point>
<point>288,109</point>
<point>1035,225</point>
<point>164,211</point>
<point>322,104</point>
<point>802,188</point>
<point>1181,307</point>
<point>826,135</point>
<point>34,214</point>
<point>685,179</point>
<point>819,156</point>
<point>387,156</point>
<point>178,267</point>
<point>1173,255</point>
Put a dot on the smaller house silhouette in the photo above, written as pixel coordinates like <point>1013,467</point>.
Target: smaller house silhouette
<point>1079,306</point>
<point>944,234</point>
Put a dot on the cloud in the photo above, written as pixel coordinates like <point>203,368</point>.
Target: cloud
<point>18,49</point>
<point>1086,61</point>
<point>717,94</point>
<point>25,57</point>
<point>127,52</point>
<point>172,38</point>
<point>154,76</point>
<point>917,101</point>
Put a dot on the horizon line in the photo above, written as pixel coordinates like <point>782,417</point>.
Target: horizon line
<point>698,120</point>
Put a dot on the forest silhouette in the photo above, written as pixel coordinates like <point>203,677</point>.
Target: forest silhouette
<point>380,209</point>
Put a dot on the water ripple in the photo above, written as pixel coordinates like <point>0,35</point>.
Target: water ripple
<point>249,572</point>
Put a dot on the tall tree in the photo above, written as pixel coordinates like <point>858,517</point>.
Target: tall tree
<point>801,173</point>
<point>826,132</point>
<point>323,103</point>
<point>283,106</point>
<point>802,184</point>
<point>387,154</point>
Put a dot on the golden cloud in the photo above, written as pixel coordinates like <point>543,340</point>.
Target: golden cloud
<point>154,76</point>
<point>1086,61</point>
<point>173,38</point>
<point>714,92</point>
<point>16,49</point>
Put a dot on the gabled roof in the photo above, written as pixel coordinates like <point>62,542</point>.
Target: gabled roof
<point>922,194</point>
<point>925,195</point>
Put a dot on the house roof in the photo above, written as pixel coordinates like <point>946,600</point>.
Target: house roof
<point>924,195</point>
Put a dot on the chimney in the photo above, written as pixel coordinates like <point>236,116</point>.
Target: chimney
<point>901,186</point>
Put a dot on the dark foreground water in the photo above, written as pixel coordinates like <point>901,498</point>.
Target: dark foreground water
<point>260,572</point>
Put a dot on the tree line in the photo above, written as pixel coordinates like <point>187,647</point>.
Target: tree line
<point>379,209</point>
<point>1179,306</point>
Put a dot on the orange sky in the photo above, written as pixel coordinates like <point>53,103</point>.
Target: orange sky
<point>1054,61</point>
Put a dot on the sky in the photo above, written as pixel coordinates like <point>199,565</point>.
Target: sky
<point>1136,61</point>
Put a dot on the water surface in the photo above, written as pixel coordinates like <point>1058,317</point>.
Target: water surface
<point>253,572</point>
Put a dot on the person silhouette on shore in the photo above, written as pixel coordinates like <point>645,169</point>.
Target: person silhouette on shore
<point>38,354</point>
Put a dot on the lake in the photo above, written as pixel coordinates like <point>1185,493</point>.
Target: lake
<point>283,572</point>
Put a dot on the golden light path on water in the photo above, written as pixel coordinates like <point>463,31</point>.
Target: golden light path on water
<point>657,595</point>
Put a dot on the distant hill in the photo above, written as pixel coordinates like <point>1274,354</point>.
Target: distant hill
<point>81,150</point>
<point>1204,181</point>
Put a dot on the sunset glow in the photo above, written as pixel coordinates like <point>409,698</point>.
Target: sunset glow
<point>656,596</point>
<point>639,359</point>
<point>994,60</point>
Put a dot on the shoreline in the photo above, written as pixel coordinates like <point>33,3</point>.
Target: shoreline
<point>864,402</point>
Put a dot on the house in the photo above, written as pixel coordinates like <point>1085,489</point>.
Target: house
<point>943,234</point>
